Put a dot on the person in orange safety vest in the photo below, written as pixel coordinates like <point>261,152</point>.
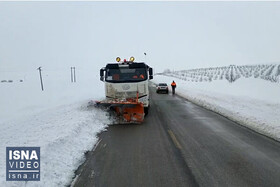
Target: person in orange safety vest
<point>173,85</point>
<point>137,76</point>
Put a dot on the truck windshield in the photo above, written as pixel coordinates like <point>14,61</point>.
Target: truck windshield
<point>126,74</point>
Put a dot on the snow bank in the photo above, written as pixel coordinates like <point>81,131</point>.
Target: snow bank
<point>56,120</point>
<point>26,98</point>
<point>254,103</point>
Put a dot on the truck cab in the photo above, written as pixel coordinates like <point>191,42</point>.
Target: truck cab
<point>127,80</point>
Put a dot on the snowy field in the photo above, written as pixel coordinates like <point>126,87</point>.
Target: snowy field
<point>57,120</point>
<point>254,103</point>
<point>269,72</point>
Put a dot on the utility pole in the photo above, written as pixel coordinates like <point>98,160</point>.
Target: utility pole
<point>71,74</point>
<point>74,74</point>
<point>41,78</point>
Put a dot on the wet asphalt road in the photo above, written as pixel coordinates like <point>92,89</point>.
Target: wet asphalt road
<point>181,144</point>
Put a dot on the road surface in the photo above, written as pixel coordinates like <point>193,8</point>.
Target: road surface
<point>181,144</point>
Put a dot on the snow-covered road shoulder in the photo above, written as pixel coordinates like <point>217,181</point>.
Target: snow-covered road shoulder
<point>57,120</point>
<point>241,101</point>
<point>63,133</point>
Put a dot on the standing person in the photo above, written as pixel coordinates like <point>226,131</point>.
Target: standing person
<point>173,85</point>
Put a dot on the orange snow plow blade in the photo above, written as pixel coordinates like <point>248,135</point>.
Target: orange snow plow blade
<point>132,112</point>
<point>127,112</point>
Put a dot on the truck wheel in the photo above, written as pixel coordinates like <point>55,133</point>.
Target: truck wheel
<point>146,110</point>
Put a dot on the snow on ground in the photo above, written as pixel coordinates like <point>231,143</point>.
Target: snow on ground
<point>254,103</point>
<point>57,120</point>
<point>24,98</point>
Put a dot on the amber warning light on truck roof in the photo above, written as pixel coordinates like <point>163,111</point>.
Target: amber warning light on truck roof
<point>118,59</point>
<point>131,59</point>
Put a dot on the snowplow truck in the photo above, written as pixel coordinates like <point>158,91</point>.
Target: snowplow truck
<point>126,89</point>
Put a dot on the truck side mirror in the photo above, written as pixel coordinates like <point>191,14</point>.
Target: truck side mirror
<point>102,74</point>
<point>151,73</point>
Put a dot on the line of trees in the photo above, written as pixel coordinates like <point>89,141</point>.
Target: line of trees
<point>269,72</point>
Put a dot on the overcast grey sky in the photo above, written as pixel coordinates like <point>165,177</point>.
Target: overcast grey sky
<point>175,35</point>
